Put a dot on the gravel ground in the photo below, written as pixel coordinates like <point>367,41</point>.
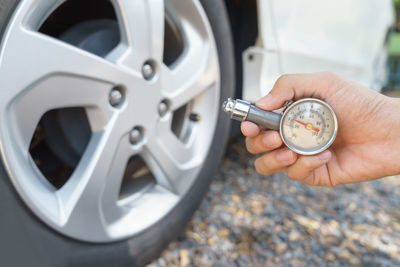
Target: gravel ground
<point>251,220</point>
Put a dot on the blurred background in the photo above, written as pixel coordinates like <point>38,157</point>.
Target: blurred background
<point>393,86</point>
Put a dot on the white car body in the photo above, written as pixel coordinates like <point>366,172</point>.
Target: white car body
<point>342,36</point>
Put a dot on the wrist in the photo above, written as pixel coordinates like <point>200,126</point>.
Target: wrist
<point>395,108</point>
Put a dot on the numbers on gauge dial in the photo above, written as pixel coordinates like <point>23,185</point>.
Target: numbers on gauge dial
<point>308,125</point>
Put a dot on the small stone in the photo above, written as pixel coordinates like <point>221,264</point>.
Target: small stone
<point>234,255</point>
<point>257,207</point>
<point>246,241</point>
<point>260,223</point>
<point>352,235</point>
<point>294,236</point>
<point>243,248</point>
<point>288,223</point>
<point>223,233</point>
<point>210,242</point>
<point>246,236</point>
<point>344,254</point>
<point>360,228</point>
<point>232,210</point>
<point>199,239</point>
<point>243,188</point>
<point>329,257</point>
<point>203,259</point>
<point>242,213</point>
<point>334,223</point>
<point>350,245</point>
<point>184,256</point>
<point>396,226</point>
<point>352,206</point>
<point>354,261</point>
<point>281,248</point>
<point>329,240</point>
<point>277,229</point>
<point>307,222</point>
<point>330,229</point>
<point>383,218</point>
<point>202,226</point>
<point>172,259</point>
<point>236,198</point>
<point>225,216</point>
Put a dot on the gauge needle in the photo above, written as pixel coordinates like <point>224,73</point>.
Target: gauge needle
<point>308,126</point>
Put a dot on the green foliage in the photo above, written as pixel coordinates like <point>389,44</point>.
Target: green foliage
<point>396,3</point>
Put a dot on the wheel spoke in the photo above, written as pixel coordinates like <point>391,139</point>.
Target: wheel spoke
<point>59,91</point>
<point>115,175</point>
<point>94,186</point>
<point>43,56</point>
<point>193,74</point>
<point>142,27</point>
<point>171,161</point>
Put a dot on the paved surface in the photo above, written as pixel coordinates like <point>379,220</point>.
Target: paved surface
<point>251,220</point>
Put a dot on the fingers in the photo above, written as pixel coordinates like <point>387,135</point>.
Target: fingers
<point>249,129</point>
<point>295,86</point>
<point>304,167</point>
<point>266,141</point>
<point>311,170</point>
<point>275,161</point>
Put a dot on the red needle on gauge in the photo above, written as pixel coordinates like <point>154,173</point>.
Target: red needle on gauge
<point>308,126</point>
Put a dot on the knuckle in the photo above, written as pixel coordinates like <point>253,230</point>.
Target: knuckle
<point>271,140</point>
<point>294,157</point>
<point>333,184</point>
<point>260,167</point>
<point>291,174</point>
<point>283,79</point>
<point>250,145</point>
<point>306,164</point>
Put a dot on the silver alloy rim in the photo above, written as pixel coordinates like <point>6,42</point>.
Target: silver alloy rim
<point>39,73</point>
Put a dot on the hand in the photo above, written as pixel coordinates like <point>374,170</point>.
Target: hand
<point>367,145</point>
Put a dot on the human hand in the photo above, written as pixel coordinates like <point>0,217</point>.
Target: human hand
<point>367,145</point>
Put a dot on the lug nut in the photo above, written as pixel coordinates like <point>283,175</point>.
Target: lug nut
<point>147,70</point>
<point>116,96</point>
<point>135,136</point>
<point>163,108</point>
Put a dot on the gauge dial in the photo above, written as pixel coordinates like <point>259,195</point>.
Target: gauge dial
<point>308,126</point>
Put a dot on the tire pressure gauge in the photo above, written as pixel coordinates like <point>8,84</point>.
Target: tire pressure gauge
<point>307,126</point>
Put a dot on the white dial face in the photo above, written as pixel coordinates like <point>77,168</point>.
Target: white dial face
<point>308,126</point>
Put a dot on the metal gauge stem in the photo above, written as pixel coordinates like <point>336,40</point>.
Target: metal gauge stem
<point>307,126</point>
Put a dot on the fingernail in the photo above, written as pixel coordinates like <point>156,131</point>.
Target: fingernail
<point>264,102</point>
<point>285,156</point>
<point>324,156</point>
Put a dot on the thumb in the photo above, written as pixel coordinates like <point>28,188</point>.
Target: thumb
<point>296,86</point>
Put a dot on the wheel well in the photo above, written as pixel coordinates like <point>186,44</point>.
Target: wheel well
<point>243,18</point>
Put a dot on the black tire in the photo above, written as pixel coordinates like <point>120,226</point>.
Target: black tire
<point>26,241</point>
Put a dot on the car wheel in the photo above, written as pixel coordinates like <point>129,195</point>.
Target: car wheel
<point>111,128</point>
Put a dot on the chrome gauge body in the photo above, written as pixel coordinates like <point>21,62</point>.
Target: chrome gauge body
<point>308,126</point>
